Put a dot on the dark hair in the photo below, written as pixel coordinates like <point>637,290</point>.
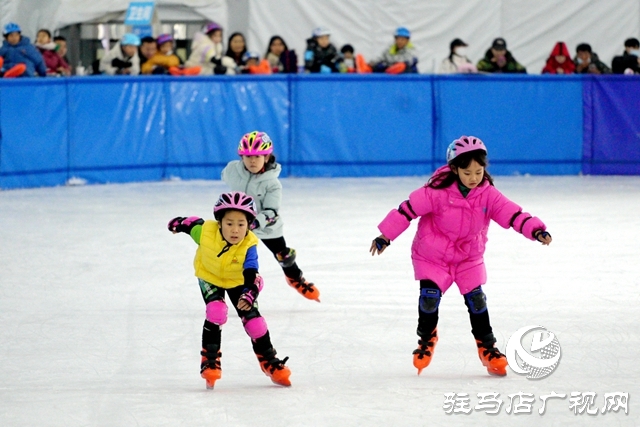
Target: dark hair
<point>583,47</point>
<point>147,39</point>
<point>274,38</point>
<point>44,30</point>
<point>347,48</point>
<point>59,38</point>
<point>632,42</point>
<point>271,162</point>
<point>231,54</point>
<point>445,179</point>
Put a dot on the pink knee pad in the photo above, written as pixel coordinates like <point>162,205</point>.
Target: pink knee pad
<point>256,327</point>
<point>217,312</point>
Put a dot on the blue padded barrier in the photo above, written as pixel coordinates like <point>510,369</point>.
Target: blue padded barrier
<point>352,125</point>
<point>117,129</point>
<point>531,124</point>
<point>33,133</point>
<point>121,129</point>
<point>612,125</point>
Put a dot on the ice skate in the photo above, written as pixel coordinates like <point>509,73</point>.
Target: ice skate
<point>423,354</point>
<point>305,288</point>
<point>274,368</point>
<point>491,357</point>
<point>210,368</point>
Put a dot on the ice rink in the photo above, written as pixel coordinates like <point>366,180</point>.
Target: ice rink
<point>101,316</point>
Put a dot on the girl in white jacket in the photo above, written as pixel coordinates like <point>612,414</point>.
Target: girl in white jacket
<point>206,52</point>
<point>257,175</point>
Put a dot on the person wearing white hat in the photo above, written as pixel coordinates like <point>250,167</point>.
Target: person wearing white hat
<point>321,56</point>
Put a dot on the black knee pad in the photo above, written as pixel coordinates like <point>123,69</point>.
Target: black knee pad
<point>286,258</point>
<point>476,300</point>
<point>429,300</point>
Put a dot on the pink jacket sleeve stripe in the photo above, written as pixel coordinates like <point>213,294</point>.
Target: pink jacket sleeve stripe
<point>527,225</point>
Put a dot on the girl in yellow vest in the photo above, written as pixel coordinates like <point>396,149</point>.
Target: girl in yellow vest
<point>226,264</point>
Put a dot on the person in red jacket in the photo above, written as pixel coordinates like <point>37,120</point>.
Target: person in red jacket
<point>55,64</point>
<point>559,62</point>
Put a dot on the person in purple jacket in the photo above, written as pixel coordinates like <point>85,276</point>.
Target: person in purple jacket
<point>455,208</point>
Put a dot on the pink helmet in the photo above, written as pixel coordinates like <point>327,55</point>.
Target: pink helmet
<point>235,200</point>
<point>255,144</point>
<point>464,144</point>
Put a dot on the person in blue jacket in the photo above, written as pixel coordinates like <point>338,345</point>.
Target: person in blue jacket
<point>19,57</point>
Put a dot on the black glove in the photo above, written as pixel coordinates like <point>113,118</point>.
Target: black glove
<point>182,224</point>
<point>381,243</point>
<point>216,61</point>
<point>119,63</point>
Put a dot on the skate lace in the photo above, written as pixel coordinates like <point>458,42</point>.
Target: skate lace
<point>426,347</point>
<point>274,364</point>
<point>212,361</point>
<point>303,284</point>
<point>492,352</point>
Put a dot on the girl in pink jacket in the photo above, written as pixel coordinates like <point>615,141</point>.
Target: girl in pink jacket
<point>455,207</point>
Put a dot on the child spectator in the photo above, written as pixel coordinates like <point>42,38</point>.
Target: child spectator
<point>587,61</point>
<point>399,57</point>
<point>457,61</point>
<point>164,61</point>
<point>18,57</point>
<point>321,56</point>
<point>257,173</point>
<point>629,62</point>
<point>280,58</point>
<point>236,48</point>
<point>226,265</point>
<point>61,49</point>
<point>54,62</point>
<point>206,52</point>
<point>348,63</point>
<point>559,62</point>
<point>253,65</point>
<point>498,59</point>
<point>123,58</point>
<point>455,208</point>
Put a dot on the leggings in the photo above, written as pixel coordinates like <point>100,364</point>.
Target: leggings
<point>212,334</point>
<point>277,246</point>
<point>427,322</point>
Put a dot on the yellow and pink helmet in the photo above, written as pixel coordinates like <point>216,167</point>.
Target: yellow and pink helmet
<point>255,143</point>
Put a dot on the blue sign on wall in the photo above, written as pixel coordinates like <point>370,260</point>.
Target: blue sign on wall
<point>139,13</point>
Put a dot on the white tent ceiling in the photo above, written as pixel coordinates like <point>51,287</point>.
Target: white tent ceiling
<point>530,27</point>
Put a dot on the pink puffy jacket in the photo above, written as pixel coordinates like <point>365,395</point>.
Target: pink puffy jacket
<point>450,242</point>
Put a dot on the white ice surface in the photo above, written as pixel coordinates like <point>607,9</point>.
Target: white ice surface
<point>101,316</point>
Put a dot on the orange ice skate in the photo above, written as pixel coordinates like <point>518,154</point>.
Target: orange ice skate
<point>210,368</point>
<point>423,354</point>
<point>274,368</point>
<point>491,357</point>
<point>306,289</point>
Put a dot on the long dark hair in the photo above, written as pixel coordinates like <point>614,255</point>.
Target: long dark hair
<point>274,38</point>
<point>445,179</point>
<point>231,54</point>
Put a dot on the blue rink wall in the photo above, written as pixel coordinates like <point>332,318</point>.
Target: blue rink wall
<point>109,129</point>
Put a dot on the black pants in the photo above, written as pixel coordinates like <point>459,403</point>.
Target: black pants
<point>278,245</point>
<point>211,333</point>
<point>427,322</point>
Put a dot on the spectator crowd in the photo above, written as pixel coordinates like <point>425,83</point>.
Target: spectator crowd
<point>133,55</point>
